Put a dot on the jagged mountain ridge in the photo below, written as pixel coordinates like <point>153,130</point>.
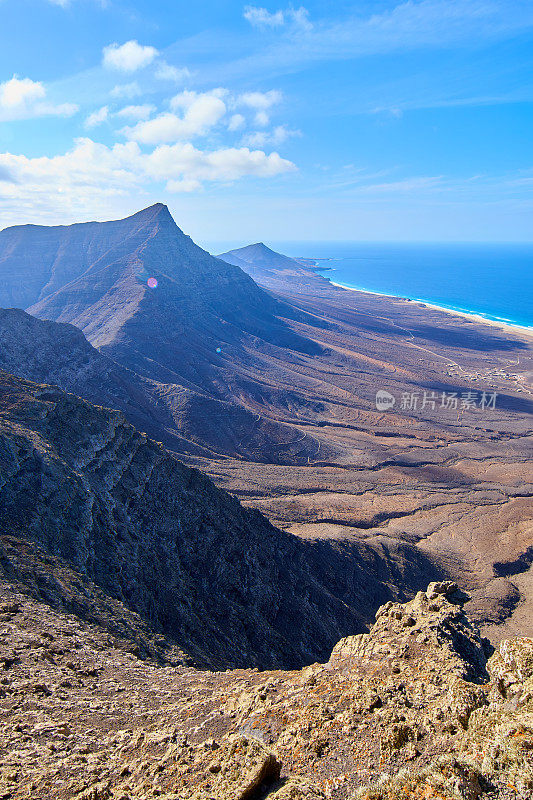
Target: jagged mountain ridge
<point>198,335</point>
<point>59,354</point>
<point>200,303</point>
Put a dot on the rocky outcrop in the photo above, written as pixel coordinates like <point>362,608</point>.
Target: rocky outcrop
<point>410,711</point>
<point>59,354</point>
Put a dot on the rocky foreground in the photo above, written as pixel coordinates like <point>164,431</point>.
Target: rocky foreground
<point>419,707</point>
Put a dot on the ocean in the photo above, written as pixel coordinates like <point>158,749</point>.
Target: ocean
<point>493,280</point>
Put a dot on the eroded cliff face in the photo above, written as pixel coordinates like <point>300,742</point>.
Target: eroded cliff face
<point>81,484</point>
<point>417,709</point>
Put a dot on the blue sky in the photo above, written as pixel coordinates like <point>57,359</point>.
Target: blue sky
<point>329,121</point>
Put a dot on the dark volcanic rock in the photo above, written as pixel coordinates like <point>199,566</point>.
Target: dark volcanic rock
<point>224,584</point>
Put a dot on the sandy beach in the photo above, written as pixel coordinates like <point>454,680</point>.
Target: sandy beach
<point>522,331</point>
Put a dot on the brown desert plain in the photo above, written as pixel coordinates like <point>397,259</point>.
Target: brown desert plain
<point>453,482</point>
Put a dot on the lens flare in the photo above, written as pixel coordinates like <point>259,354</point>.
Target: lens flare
<point>219,349</point>
<point>152,283</point>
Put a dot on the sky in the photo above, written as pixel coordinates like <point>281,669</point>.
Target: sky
<point>331,121</point>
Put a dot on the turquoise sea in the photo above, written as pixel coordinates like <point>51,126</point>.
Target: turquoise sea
<point>494,280</point>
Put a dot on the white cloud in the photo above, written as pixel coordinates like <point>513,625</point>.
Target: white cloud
<point>260,101</point>
<point>399,26</point>
<point>261,18</point>
<point>136,112</point>
<point>97,117</point>
<point>184,161</point>
<point>128,90</point>
<point>237,121</point>
<point>185,185</point>
<point>128,57</point>
<point>279,135</point>
<point>19,92</point>
<point>300,17</point>
<point>91,177</point>
<point>200,113</point>
<point>261,119</point>
<point>404,186</point>
<point>167,72</point>
<point>68,3</point>
<point>22,98</point>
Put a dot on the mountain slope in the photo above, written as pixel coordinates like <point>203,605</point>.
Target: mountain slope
<point>171,332</point>
<point>271,269</point>
<point>205,335</point>
<point>36,261</point>
<point>80,484</point>
<point>186,421</point>
<point>59,354</point>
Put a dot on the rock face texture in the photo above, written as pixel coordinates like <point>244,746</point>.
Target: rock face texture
<point>83,485</point>
<point>417,709</point>
<point>169,332</point>
<point>80,484</point>
<point>59,354</point>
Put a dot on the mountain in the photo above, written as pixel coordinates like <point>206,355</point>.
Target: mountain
<point>80,484</point>
<point>273,270</point>
<point>198,336</point>
<point>285,415</point>
<point>59,354</point>
<point>94,275</point>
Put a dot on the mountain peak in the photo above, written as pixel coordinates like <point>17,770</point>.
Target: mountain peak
<point>258,255</point>
<point>157,211</point>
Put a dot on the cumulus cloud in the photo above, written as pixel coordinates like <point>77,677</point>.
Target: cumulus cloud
<point>185,162</point>
<point>22,98</point>
<point>261,18</point>
<point>237,121</point>
<point>97,117</point>
<point>261,101</point>
<point>279,135</point>
<point>167,72</point>
<point>20,92</point>
<point>128,57</point>
<point>136,112</point>
<point>199,113</point>
<point>91,177</point>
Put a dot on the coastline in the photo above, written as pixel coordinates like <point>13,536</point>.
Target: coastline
<point>509,327</point>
